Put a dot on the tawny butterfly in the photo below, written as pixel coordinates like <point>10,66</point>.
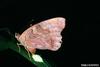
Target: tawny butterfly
<point>43,35</point>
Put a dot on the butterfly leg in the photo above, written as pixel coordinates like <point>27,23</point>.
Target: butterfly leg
<point>28,53</point>
<point>18,44</point>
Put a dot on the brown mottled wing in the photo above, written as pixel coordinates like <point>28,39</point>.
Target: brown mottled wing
<point>44,35</point>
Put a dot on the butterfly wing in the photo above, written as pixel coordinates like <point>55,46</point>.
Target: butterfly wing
<point>44,35</point>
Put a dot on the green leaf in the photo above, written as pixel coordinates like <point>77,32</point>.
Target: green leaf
<point>24,53</point>
<point>6,43</point>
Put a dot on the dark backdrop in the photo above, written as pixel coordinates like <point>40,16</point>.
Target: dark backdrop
<point>80,37</point>
<point>17,16</point>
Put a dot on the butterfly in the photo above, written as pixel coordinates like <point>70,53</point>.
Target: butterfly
<point>43,35</point>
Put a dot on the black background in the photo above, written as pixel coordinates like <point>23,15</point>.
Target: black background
<point>80,37</point>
